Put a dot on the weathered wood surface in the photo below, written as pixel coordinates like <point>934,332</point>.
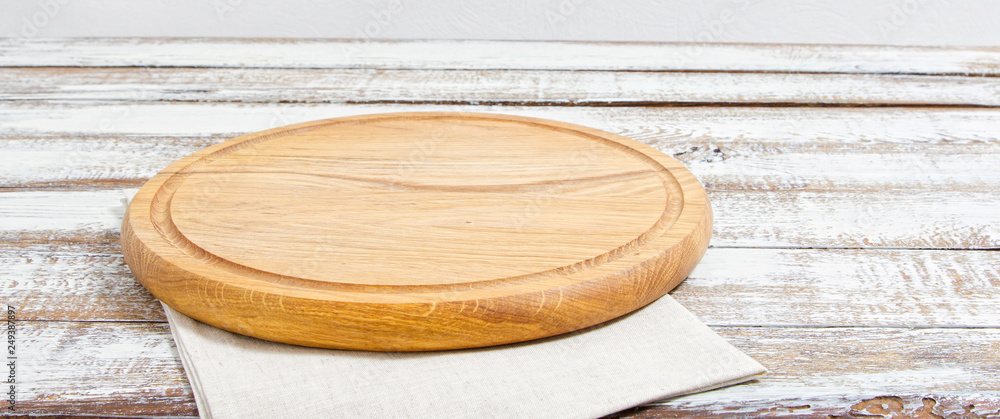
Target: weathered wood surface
<point>846,371</point>
<point>816,126</point>
<point>131,369</point>
<point>832,221</point>
<point>103,145</point>
<point>820,178</point>
<point>551,87</point>
<point>730,287</point>
<point>510,55</point>
<point>939,218</point>
<point>101,368</point>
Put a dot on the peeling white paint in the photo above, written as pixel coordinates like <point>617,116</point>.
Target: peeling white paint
<point>494,86</point>
<point>474,54</point>
<point>60,211</point>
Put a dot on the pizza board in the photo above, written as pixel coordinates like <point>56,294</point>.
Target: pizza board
<point>416,231</point>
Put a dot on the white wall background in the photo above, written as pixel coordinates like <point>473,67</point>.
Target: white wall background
<point>886,22</point>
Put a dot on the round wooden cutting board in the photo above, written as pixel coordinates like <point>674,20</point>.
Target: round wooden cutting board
<point>416,231</point>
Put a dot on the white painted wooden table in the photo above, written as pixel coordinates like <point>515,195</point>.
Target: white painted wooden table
<point>856,189</point>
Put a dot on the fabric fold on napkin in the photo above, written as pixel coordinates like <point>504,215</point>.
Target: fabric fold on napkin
<point>657,352</point>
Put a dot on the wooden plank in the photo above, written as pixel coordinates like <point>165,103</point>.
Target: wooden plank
<point>131,369</point>
<point>91,161</point>
<point>106,369</point>
<point>28,119</point>
<point>814,125</point>
<point>74,283</point>
<point>846,371</point>
<point>64,146</point>
<point>491,86</point>
<point>833,219</point>
<point>939,218</point>
<point>60,213</point>
<point>915,405</point>
<point>890,288</point>
<point>771,162</point>
<point>520,55</point>
<point>730,287</point>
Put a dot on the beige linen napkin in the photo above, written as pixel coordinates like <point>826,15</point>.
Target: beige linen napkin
<point>659,351</point>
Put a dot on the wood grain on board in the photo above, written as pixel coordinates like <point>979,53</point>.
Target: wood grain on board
<point>839,176</point>
<point>379,232</point>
